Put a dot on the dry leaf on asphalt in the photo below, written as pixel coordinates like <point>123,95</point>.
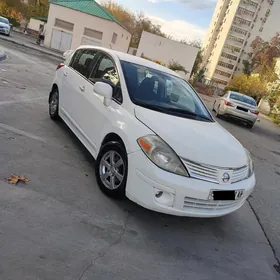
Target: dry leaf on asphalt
<point>14,179</point>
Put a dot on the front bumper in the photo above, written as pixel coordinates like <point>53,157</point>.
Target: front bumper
<point>4,31</point>
<point>238,114</point>
<point>182,196</point>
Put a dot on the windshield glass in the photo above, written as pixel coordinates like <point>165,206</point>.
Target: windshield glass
<point>4,20</point>
<point>243,98</point>
<point>163,92</point>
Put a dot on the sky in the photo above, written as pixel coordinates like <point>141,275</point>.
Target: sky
<point>182,19</point>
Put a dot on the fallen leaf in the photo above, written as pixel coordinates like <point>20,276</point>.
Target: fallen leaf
<point>14,179</point>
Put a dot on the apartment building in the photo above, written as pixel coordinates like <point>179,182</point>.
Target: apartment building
<point>234,25</point>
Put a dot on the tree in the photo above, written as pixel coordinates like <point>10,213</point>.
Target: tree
<point>134,23</point>
<point>176,66</point>
<point>247,70</point>
<point>250,85</point>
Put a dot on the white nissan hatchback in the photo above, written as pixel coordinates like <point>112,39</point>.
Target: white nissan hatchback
<point>153,139</point>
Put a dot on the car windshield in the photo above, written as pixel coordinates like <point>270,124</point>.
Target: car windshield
<point>4,20</point>
<point>163,92</point>
<point>243,98</point>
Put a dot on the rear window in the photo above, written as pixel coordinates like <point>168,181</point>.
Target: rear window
<point>243,98</point>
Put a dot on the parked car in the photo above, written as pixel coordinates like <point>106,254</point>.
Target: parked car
<point>153,139</point>
<point>5,26</point>
<point>238,106</point>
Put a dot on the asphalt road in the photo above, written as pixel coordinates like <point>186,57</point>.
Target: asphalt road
<point>60,226</point>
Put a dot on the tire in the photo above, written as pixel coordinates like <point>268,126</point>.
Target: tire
<point>111,170</point>
<point>250,125</point>
<point>54,105</point>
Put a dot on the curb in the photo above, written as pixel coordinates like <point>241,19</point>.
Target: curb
<point>32,48</point>
<point>2,55</point>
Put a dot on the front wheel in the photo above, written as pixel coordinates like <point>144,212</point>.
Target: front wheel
<point>54,105</point>
<point>111,170</point>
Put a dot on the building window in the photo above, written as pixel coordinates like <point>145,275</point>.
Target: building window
<point>229,56</point>
<point>241,21</point>
<point>114,38</point>
<point>222,73</point>
<point>239,30</point>
<point>64,24</point>
<point>93,33</point>
<point>134,52</point>
<point>226,65</point>
<point>236,39</point>
<point>218,81</point>
<point>243,11</point>
<point>251,3</point>
<point>232,48</point>
<point>261,29</point>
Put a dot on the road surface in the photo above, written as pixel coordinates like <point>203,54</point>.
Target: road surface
<point>60,226</point>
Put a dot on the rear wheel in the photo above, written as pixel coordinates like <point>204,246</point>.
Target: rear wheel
<point>111,170</point>
<point>250,125</point>
<point>54,104</point>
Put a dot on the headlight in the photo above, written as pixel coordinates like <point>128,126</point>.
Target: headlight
<point>162,155</point>
<point>251,164</point>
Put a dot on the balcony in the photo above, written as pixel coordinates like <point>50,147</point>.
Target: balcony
<point>230,41</point>
<point>245,14</point>
<point>249,5</point>
<point>224,69</point>
<point>220,77</point>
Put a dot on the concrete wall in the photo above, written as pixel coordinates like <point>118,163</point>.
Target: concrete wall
<point>82,20</point>
<point>166,50</point>
<point>34,24</point>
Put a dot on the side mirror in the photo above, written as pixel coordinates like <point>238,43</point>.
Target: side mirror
<point>104,90</point>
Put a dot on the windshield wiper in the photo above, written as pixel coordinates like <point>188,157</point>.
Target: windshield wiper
<point>187,112</point>
<point>169,110</point>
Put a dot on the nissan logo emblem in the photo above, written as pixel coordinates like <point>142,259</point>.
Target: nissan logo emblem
<point>225,177</point>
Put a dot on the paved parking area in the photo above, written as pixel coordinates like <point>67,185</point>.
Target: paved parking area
<point>60,226</point>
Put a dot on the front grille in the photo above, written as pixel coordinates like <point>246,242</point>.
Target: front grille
<point>214,174</point>
<point>201,204</point>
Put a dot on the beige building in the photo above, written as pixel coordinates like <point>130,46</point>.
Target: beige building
<point>167,51</point>
<point>234,25</point>
<point>74,23</point>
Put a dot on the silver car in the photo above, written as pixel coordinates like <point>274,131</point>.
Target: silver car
<point>237,105</point>
<point>5,27</point>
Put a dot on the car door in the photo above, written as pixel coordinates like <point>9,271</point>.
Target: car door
<point>76,84</point>
<point>98,116</point>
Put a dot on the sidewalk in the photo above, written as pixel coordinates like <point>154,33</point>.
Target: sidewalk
<point>29,42</point>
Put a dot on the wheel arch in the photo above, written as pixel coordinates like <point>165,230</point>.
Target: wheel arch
<point>112,137</point>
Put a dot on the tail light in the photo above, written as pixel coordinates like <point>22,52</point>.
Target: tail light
<point>255,112</point>
<point>227,103</point>
<point>59,66</point>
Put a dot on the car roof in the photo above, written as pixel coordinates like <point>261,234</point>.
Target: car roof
<point>4,18</point>
<point>133,59</point>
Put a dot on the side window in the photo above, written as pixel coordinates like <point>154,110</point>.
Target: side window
<point>82,61</point>
<point>106,71</point>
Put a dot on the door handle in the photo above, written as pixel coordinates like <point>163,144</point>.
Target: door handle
<point>65,74</point>
<point>82,88</point>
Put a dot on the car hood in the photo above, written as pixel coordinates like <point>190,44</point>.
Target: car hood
<point>202,142</point>
<point>2,24</point>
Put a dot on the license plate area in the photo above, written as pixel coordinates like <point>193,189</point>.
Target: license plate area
<point>227,195</point>
<point>242,109</point>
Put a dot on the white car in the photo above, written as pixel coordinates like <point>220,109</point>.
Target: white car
<point>153,139</point>
<point>5,27</point>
